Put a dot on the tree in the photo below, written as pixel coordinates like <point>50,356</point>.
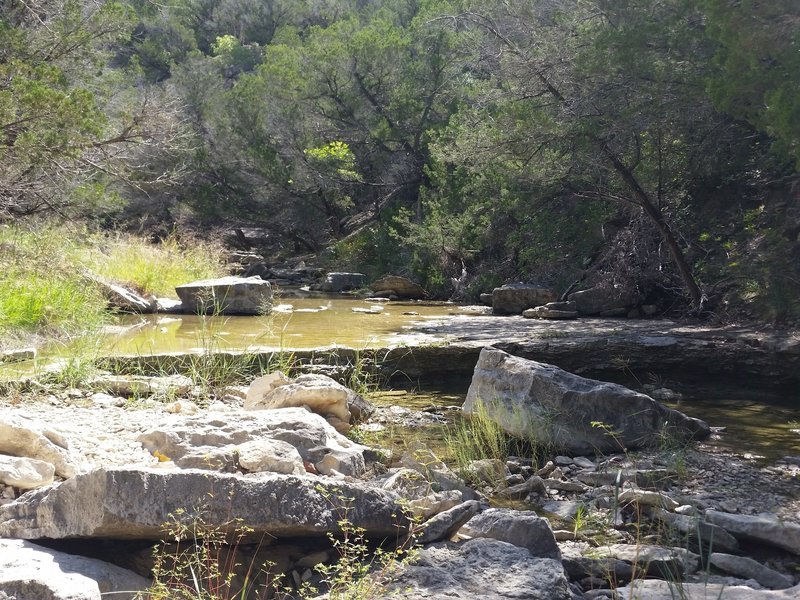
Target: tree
<point>604,100</point>
<point>757,62</point>
<point>57,143</point>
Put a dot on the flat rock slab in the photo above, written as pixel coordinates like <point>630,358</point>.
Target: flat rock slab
<point>28,571</point>
<point>545,404</point>
<point>765,529</point>
<point>226,296</point>
<point>136,503</point>
<point>480,568</point>
<point>667,590</point>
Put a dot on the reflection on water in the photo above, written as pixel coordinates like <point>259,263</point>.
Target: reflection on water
<point>295,323</point>
<point>763,429</point>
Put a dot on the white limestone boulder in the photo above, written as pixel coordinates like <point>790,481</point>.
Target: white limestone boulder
<point>20,436</point>
<point>550,406</point>
<point>226,296</point>
<point>25,473</point>
<point>214,440</point>
<point>28,571</point>
<point>319,393</point>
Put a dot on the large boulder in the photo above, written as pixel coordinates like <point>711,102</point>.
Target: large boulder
<point>227,296</point>
<point>513,298</point>
<point>20,436</point>
<point>319,393</point>
<point>480,568</point>
<point>221,442</point>
<point>343,282</point>
<point>137,503</point>
<point>25,473</point>
<point>765,529</point>
<point>522,528</point>
<point>394,286</point>
<point>545,404</point>
<point>28,571</point>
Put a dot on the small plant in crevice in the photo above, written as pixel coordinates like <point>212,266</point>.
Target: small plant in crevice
<point>362,570</point>
<point>202,562</point>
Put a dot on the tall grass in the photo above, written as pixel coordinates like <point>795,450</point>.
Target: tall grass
<point>43,290</point>
<point>478,436</point>
<point>152,268</point>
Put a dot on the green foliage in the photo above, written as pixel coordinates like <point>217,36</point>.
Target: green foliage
<point>40,288</point>
<point>756,67</point>
<point>478,436</point>
<point>152,269</point>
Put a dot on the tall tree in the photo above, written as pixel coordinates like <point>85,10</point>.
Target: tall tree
<point>604,99</point>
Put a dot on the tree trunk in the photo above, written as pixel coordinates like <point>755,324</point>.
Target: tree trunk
<point>655,216</point>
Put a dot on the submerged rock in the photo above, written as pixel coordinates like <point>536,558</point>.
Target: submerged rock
<point>541,402</point>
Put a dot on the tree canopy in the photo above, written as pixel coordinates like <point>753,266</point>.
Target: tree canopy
<point>465,143</point>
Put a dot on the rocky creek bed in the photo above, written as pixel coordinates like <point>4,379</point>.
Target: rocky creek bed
<point>90,475</point>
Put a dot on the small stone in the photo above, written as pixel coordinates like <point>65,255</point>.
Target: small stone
<point>563,461</point>
<point>583,462</point>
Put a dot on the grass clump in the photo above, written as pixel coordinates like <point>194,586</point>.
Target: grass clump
<point>477,436</point>
<point>154,269</point>
<point>41,291</point>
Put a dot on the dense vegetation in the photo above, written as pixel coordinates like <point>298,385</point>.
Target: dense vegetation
<point>655,143</point>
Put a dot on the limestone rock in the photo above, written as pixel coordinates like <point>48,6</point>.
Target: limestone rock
<point>189,440</point>
<point>648,498</point>
<point>342,282</point>
<point>445,524</point>
<point>541,402</point>
<point>319,393</point>
<point>135,503</point>
<point>17,355</point>
<point>427,506</point>
<point>275,456</point>
<point>28,571</point>
<point>24,437</point>
<point>480,568</point>
<point>25,473</point>
<point>513,298</point>
<point>227,296</point>
<point>123,299</point>
<point>655,561</point>
<point>522,528</point>
<point>552,310</point>
<point>747,568</point>
<point>141,385</point>
<point>668,590</point>
<point>397,287</point>
<point>765,529</point>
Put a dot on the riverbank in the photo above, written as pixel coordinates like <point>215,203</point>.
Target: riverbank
<point>606,515</point>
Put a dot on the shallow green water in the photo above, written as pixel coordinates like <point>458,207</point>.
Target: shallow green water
<point>302,323</point>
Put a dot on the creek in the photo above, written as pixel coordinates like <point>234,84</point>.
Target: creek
<point>755,422</point>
